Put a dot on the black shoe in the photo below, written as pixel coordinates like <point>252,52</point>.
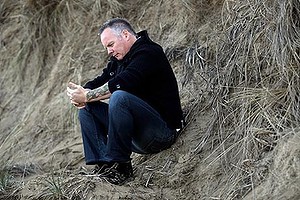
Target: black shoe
<point>101,167</point>
<point>118,173</point>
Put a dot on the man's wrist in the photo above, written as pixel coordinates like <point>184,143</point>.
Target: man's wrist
<point>86,94</point>
<point>97,92</point>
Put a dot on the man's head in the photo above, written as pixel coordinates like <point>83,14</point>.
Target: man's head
<point>117,36</point>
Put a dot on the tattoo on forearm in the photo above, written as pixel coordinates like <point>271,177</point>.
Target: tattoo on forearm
<point>95,93</point>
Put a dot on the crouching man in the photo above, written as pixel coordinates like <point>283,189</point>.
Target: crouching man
<point>144,112</point>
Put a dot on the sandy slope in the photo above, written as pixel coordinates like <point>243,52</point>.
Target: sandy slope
<point>40,140</point>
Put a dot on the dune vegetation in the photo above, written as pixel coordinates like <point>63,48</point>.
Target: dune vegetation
<point>237,63</point>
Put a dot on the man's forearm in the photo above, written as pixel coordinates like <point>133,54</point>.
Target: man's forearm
<point>96,93</point>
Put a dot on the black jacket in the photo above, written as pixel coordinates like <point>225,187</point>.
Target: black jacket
<point>145,72</point>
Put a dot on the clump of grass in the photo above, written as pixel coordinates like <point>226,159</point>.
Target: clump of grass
<point>61,186</point>
<point>6,180</point>
<point>9,187</point>
<point>53,188</point>
<point>12,179</point>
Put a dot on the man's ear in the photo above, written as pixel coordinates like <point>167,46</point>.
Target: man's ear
<point>125,33</point>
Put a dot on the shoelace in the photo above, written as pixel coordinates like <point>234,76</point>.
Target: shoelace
<point>113,176</point>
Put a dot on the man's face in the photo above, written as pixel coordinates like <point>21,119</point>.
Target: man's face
<point>116,45</point>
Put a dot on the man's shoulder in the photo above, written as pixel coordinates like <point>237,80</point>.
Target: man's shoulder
<point>147,50</point>
<point>144,46</point>
<point>148,47</point>
<point>144,39</point>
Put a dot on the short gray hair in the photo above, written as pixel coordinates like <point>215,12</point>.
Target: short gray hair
<point>118,25</point>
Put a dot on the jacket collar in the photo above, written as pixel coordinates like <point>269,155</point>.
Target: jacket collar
<point>142,38</point>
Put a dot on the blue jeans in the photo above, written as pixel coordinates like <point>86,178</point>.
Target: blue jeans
<point>111,132</point>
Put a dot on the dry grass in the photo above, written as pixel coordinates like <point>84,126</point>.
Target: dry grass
<point>52,43</point>
<point>256,87</point>
<point>245,68</point>
<point>59,186</point>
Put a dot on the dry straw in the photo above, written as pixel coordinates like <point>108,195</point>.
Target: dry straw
<point>52,43</point>
<point>249,74</point>
<point>256,84</point>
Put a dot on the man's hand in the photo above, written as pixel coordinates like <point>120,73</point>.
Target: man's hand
<point>80,96</point>
<point>78,105</point>
<point>77,95</point>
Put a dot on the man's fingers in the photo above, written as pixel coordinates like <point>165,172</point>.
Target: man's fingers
<point>76,93</point>
<point>72,85</point>
<point>70,91</point>
<point>74,102</point>
<point>78,105</point>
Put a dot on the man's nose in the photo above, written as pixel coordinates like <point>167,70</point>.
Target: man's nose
<point>110,51</point>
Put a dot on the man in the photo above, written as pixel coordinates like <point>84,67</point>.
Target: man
<point>144,112</point>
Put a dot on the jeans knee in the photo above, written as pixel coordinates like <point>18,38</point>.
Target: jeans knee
<point>118,98</point>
